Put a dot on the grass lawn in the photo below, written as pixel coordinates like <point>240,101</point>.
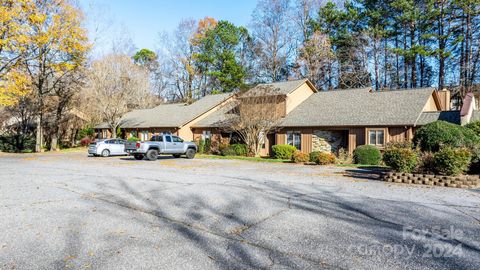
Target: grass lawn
<point>256,159</point>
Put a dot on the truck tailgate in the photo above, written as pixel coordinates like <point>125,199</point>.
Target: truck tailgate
<point>130,146</point>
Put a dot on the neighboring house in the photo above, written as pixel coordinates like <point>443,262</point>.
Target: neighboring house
<point>176,118</point>
<point>331,120</point>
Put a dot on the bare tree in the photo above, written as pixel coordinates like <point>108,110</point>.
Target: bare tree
<point>177,69</point>
<point>116,86</point>
<point>272,31</point>
<point>316,60</point>
<point>253,115</point>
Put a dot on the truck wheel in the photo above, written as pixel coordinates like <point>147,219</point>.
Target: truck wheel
<point>138,157</point>
<point>105,153</point>
<point>190,153</point>
<point>176,155</point>
<point>152,154</point>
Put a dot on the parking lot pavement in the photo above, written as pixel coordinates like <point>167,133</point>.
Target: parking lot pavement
<point>69,211</point>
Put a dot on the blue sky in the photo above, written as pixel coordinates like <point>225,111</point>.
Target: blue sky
<point>144,19</point>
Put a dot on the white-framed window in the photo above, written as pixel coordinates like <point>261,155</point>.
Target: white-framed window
<point>206,134</point>
<point>294,138</point>
<point>376,137</point>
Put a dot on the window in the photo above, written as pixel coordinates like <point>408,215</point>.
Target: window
<point>168,138</point>
<point>294,138</point>
<point>176,139</point>
<point>376,137</point>
<point>206,134</point>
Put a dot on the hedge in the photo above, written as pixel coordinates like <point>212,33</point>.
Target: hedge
<point>367,154</point>
<point>433,136</point>
<point>283,151</point>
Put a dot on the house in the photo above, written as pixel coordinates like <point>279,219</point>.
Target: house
<point>311,120</point>
<point>331,120</point>
<point>176,118</point>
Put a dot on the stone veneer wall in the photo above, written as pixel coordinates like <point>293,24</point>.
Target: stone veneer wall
<point>463,181</point>
<point>327,141</point>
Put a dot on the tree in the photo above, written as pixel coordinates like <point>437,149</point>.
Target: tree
<point>116,86</point>
<point>316,59</point>
<point>145,58</point>
<point>218,58</point>
<point>14,16</point>
<point>254,115</point>
<point>272,33</point>
<point>57,47</point>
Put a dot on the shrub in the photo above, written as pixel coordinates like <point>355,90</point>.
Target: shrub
<point>283,151</point>
<point>85,132</point>
<point>133,139</point>
<point>208,146</point>
<point>433,136</point>
<point>400,159</point>
<point>325,158</point>
<point>344,157</point>
<point>229,151</point>
<point>300,157</point>
<point>474,126</point>
<point>367,154</point>
<point>314,156</point>
<point>450,161</point>
<point>85,141</point>
<point>240,149</point>
<point>426,162</point>
<point>201,146</point>
<point>17,143</point>
<point>475,162</point>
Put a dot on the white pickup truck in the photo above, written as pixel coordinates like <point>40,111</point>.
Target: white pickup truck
<point>161,145</point>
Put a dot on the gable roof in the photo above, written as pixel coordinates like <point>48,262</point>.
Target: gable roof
<point>279,88</point>
<point>172,115</point>
<point>360,107</point>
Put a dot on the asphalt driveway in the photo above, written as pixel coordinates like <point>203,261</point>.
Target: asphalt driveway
<point>68,211</point>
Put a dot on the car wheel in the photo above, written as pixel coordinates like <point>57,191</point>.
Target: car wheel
<point>152,154</point>
<point>190,153</point>
<point>138,157</point>
<point>176,155</point>
<point>105,153</point>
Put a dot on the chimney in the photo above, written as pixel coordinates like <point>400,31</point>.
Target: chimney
<point>444,97</point>
<point>467,108</point>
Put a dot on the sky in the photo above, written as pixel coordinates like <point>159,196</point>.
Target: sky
<point>142,20</point>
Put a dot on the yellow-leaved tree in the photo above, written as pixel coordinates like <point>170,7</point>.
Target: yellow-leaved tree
<point>57,47</point>
<point>14,41</point>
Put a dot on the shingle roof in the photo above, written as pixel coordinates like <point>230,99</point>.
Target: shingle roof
<point>354,107</point>
<point>277,88</point>
<point>360,107</point>
<point>449,116</point>
<point>171,115</point>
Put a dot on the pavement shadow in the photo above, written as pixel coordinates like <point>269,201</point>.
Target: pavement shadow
<point>365,220</point>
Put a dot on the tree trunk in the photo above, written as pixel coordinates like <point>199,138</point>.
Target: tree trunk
<point>39,135</point>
